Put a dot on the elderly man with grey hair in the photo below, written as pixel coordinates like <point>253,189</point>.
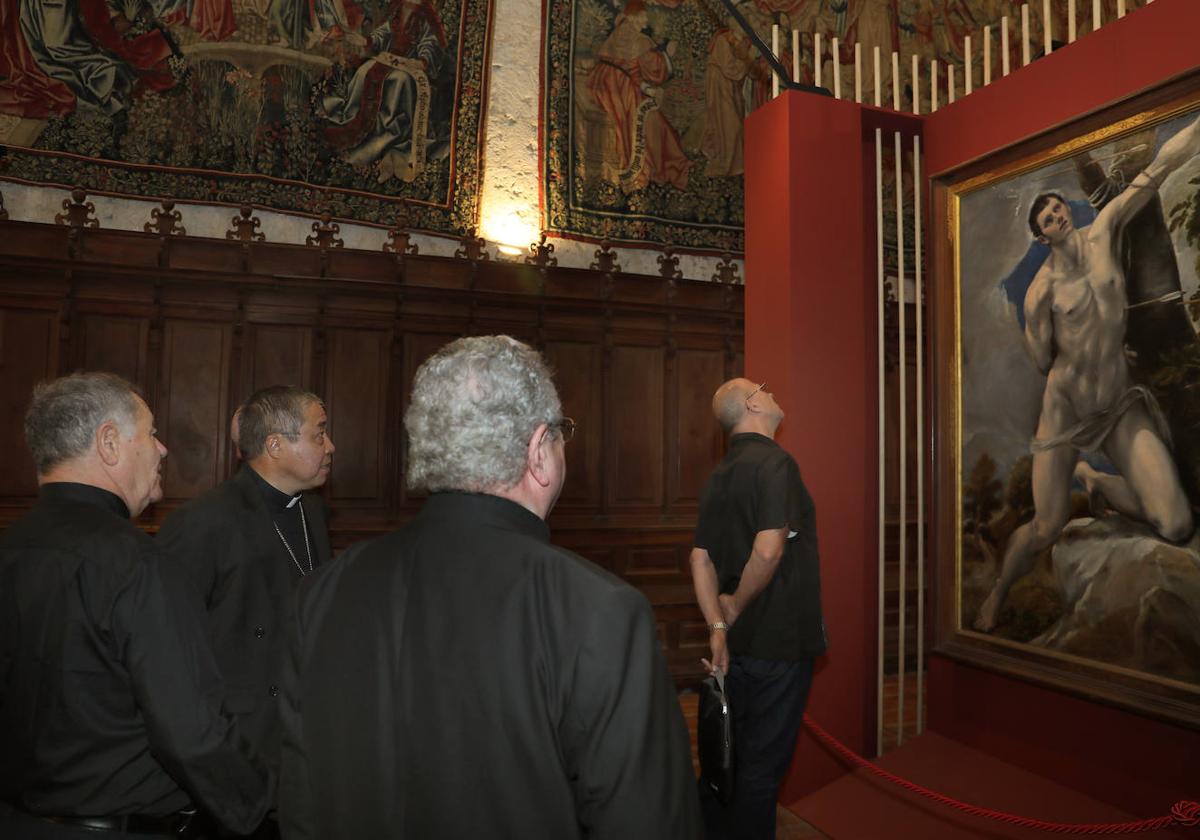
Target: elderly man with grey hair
<point>111,720</point>
<point>462,677</point>
<point>241,548</point>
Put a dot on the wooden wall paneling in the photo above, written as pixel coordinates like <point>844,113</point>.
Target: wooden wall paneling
<point>115,343</point>
<point>698,440</point>
<point>193,411</point>
<point>357,378</point>
<point>29,353</point>
<point>577,374</point>
<point>636,411</point>
<point>275,354</point>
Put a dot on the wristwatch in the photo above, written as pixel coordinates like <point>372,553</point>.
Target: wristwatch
<point>718,625</point>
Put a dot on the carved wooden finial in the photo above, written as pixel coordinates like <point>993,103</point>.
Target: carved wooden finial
<point>78,212</point>
<point>606,258</point>
<point>668,264</point>
<point>245,226</point>
<point>165,222</point>
<point>398,236</point>
<point>472,247</point>
<point>326,233</point>
<point>727,270</point>
<point>540,253</point>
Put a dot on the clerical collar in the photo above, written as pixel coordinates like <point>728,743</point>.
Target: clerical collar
<point>276,499</point>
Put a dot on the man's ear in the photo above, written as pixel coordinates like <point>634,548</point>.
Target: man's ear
<point>1043,239</point>
<point>272,446</point>
<point>108,443</point>
<point>535,455</point>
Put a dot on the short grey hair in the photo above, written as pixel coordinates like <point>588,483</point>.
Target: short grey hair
<point>65,413</point>
<point>275,410</point>
<point>475,404</point>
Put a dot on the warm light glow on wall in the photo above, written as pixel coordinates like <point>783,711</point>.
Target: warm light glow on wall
<point>513,229</point>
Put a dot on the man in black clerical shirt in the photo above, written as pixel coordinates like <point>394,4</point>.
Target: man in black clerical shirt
<point>110,719</point>
<point>462,677</point>
<point>756,572</point>
<point>243,545</point>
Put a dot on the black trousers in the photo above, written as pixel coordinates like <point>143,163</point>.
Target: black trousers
<point>767,700</point>
<point>16,825</point>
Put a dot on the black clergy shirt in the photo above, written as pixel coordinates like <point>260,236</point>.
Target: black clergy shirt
<point>286,513</point>
<point>109,695</point>
<point>463,677</point>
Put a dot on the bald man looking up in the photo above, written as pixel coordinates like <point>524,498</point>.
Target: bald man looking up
<point>756,572</point>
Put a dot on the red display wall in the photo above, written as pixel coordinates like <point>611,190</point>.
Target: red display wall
<point>810,333</point>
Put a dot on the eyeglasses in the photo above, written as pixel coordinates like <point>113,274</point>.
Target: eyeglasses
<point>566,428</point>
<point>762,387</point>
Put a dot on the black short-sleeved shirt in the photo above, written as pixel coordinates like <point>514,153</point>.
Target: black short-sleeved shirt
<point>757,487</point>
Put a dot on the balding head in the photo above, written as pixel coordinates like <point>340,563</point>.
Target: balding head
<point>729,402</point>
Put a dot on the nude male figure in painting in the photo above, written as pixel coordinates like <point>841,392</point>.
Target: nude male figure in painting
<point>1075,314</point>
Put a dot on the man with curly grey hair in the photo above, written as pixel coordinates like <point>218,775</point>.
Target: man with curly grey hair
<point>462,677</point>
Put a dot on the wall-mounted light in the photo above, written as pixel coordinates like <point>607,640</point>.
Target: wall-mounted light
<point>509,229</point>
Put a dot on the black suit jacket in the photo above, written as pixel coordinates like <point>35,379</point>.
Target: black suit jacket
<point>224,544</point>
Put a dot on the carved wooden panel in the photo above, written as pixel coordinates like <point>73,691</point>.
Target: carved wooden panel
<point>114,343</point>
<point>357,380</point>
<point>28,355</point>
<point>697,440</point>
<point>193,410</point>
<point>276,354</point>
<point>577,374</point>
<point>652,561</point>
<point>635,450</point>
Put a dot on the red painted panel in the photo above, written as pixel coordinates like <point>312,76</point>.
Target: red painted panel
<point>810,331</point>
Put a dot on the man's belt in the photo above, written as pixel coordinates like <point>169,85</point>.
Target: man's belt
<point>170,824</point>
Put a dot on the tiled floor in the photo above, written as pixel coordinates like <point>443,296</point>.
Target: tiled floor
<point>788,825</point>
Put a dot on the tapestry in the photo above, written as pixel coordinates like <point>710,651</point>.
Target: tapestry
<point>643,100</point>
<point>358,108</point>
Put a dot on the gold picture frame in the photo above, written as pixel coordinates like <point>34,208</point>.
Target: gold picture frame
<point>1077,621</point>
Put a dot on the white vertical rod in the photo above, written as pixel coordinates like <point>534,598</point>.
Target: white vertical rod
<point>837,69</point>
<point>774,52</point>
<point>1070,21</point>
<point>949,83</point>
<point>903,448</point>
<point>878,76</point>
<point>1004,46</point>
<point>919,300</point>
<point>916,84</point>
<point>858,73</point>
<point>987,56</point>
<point>796,57</point>
<point>816,55</point>
<point>968,70</point>
<point>1096,15</point>
<point>1120,9</point>
<point>879,294</point>
<point>1025,35</point>
<point>1047,26</point>
<point>933,88</point>
<point>895,81</point>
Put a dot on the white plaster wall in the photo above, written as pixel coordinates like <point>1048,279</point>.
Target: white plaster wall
<point>509,205</point>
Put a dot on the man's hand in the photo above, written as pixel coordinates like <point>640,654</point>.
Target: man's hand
<point>720,653</point>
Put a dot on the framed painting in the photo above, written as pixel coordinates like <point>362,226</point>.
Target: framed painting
<point>1068,388</point>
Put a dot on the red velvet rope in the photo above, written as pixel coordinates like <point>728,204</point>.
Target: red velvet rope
<point>1183,813</point>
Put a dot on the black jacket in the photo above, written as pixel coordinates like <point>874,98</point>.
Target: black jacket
<point>464,678</point>
<point>224,543</point>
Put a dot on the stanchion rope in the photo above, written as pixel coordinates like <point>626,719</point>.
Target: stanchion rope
<point>1183,813</point>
